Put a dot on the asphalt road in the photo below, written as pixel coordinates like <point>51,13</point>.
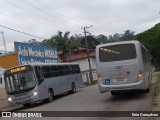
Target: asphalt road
<point>89,99</point>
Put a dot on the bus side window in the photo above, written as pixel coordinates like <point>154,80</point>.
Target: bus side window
<point>39,74</point>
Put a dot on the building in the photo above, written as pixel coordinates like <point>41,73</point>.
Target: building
<point>80,57</point>
<point>8,60</point>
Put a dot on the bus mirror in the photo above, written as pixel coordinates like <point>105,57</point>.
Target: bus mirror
<point>40,80</point>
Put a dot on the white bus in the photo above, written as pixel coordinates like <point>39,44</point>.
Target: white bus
<point>39,81</point>
<point>123,66</point>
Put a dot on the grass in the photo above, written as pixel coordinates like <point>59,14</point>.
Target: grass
<point>156,92</point>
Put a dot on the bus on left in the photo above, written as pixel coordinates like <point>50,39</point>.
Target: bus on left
<point>40,81</point>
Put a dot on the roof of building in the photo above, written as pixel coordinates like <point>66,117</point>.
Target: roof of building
<point>76,56</point>
<point>6,54</point>
<point>81,56</point>
<point>78,49</point>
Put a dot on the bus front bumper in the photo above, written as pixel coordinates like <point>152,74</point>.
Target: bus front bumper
<point>22,101</point>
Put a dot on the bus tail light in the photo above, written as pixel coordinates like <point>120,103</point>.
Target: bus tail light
<point>100,77</point>
<point>139,75</point>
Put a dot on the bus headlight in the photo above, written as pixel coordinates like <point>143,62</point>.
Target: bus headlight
<point>35,93</point>
<point>9,99</point>
<point>139,75</point>
<point>100,77</point>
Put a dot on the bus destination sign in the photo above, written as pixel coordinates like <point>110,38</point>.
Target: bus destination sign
<point>14,70</point>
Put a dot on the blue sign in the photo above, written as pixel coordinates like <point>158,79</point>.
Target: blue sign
<point>107,81</point>
<point>28,53</point>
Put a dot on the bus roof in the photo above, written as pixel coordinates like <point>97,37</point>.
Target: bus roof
<point>45,64</point>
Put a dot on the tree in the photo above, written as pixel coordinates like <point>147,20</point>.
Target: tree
<point>116,37</point>
<point>102,38</point>
<point>92,42</point>
<point>34,42</point>
<point>150,39</point>
<point>63,43</point>
<point>128,35</point>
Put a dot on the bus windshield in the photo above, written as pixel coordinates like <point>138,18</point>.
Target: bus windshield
<point>117,53</point>
<point>20,81</point>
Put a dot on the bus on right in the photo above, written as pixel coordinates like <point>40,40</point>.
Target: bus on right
<point>123,66</point>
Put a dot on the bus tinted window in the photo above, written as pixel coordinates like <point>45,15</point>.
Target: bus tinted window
<point>53,68</point>
<point>117,53</point>
<point>46,72</point>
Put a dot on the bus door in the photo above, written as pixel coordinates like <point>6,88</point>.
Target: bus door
<point>41,84</point>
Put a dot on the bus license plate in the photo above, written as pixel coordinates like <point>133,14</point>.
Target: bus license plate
<point>119,80</point>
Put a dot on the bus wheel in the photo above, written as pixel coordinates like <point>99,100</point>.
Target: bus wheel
<point>50,96</point>
<point>27,105</point>
<point>147,90</point>
<point>73,89</point>
<point>114,93</point>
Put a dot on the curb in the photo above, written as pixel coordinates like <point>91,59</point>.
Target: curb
<point>9,109</point>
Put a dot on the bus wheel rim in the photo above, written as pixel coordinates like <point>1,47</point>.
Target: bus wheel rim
<point>50,96</point>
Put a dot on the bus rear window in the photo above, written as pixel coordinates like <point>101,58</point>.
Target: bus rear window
<point>117,53</point>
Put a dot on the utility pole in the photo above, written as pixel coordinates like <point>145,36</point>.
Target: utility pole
<point>4,42</point>
<point>88,57</point>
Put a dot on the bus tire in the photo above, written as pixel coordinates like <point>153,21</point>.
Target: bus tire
<point>147,90</point>
<point>73,88</point>
<point>27,105</point>
<point>114,93</point>
<point>50,95</point>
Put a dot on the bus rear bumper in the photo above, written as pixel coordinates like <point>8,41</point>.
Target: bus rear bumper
<point>134,86</point>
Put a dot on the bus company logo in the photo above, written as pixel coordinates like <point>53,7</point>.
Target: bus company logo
<point>119,67</point>
<point>6,114</point>
<point>125,73</point>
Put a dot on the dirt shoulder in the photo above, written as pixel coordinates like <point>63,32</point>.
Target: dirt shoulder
<point>156,96</point>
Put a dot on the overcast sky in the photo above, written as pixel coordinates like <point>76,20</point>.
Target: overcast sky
<point>44,18</point>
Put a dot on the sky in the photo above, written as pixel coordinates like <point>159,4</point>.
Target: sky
<point>44,18</point>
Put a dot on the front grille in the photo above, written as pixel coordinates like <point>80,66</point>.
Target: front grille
<point>22,96</point>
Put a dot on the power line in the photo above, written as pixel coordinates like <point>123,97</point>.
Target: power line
<point>30,12</point>
<point>24,9</point>
<point>22,21</point>
<point>47,12</point>
<point>18,6</point>
<point>21,32</point>
<point>56,11</point>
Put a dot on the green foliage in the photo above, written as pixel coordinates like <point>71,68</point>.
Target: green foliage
<point>156,93</point>
<point>63,43</point>
<point>128,35</point>
<point>150,39</point>
<point>92,42</point>
<point>102,38</point>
